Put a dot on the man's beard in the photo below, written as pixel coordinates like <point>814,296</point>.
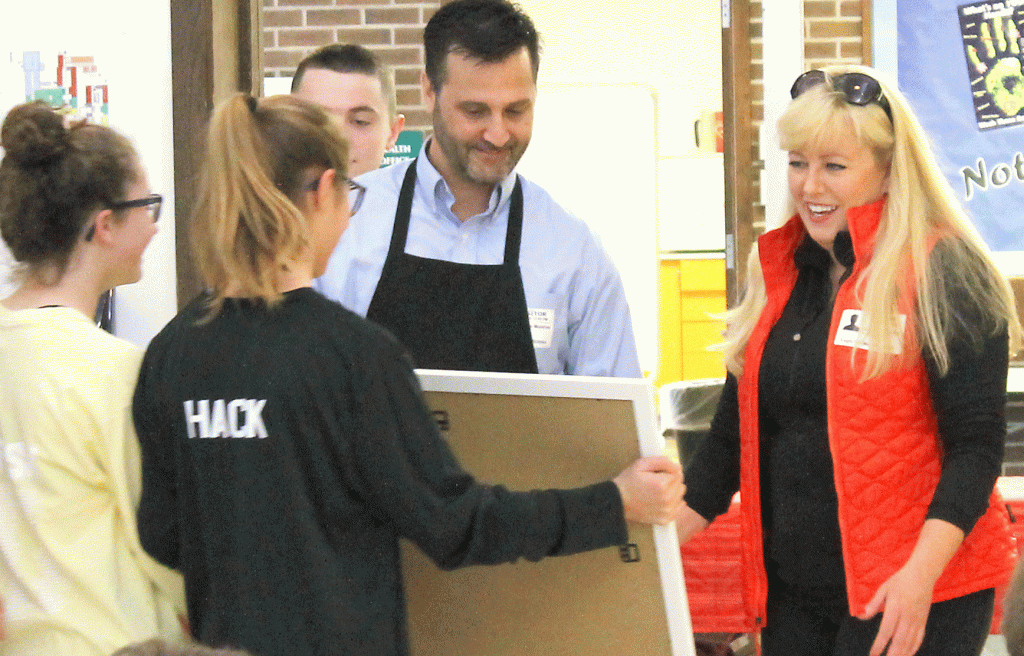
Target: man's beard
<point>460,155</point>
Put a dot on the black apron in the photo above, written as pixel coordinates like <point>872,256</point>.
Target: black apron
<point>469,317</point>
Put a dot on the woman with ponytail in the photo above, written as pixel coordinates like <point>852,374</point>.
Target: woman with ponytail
<point>76,212</point>
<point>285,443</point>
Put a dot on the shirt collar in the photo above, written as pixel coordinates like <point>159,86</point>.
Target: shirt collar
<point>435,189</point>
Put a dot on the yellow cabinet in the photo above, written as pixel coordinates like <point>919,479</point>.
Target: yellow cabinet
<point>690,290</point>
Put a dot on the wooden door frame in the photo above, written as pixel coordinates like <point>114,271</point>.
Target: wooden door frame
<point>215,50</point>
<point>738,156</point>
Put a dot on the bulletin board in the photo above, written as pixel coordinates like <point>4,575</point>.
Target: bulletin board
<point>535,432</point>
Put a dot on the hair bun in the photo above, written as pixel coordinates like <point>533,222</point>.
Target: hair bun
<point>33,135</point>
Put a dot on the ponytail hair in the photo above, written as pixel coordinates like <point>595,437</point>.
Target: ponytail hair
<point>261,157</point>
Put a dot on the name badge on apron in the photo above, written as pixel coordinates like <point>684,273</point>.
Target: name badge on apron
<point>542,327</point>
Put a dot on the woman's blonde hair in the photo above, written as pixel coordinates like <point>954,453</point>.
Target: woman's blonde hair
<point>261,157</point>
<point>920,209</point>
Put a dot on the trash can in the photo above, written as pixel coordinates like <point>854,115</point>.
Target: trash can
<point>687,407</point>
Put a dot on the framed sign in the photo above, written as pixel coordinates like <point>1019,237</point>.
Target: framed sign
<point>533,432</point>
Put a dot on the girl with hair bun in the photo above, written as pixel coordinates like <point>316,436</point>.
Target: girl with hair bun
<point>77,213</point>
<point>285,443</point>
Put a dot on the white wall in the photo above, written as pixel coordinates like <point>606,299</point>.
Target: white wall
<point>676,49</point>
<point>645,73</point>
<point>783,48</point>
<point>131,42</point>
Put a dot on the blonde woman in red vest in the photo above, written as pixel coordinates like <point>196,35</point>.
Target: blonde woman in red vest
<point>863,415</point>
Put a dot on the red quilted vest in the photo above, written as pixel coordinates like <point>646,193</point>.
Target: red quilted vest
<point>885,449</point>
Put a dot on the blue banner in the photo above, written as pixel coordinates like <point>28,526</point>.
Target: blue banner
<point>960,64</point>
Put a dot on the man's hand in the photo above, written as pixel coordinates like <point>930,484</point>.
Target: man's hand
<point>652,490</point>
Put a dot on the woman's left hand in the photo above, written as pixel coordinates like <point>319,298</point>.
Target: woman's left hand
<point>904,600</point>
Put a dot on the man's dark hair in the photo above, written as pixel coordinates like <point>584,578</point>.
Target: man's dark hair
<point>349,58</point>
<point>488,30</point>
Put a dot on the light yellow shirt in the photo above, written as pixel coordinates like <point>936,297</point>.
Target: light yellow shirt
<point>73,577</point>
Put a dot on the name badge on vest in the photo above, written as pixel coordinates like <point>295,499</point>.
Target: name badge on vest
<point>542,327</point>
<point>852,333</point>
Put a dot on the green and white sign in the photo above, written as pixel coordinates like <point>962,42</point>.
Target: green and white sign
<point>408,146</point>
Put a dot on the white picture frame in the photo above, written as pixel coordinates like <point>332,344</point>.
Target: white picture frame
<point>581,403</point>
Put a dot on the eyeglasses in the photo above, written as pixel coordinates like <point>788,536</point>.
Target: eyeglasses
<point>857,88</point>
<point>354,202</point>
<point>359,191</point>
<point>152,202</point>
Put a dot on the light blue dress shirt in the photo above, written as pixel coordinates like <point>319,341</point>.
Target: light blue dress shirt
<point>579,317</point>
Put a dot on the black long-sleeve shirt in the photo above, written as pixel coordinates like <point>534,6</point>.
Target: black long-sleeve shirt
<point>284,452</point>
<point>800,512</point>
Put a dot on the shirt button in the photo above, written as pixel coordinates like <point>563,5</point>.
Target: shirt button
<point>796,337</point>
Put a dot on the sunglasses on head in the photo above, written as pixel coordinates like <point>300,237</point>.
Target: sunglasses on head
<point>857,88</point>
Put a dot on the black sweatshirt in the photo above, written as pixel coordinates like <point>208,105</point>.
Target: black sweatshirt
<point>799,504</point>
<point>284,452</point>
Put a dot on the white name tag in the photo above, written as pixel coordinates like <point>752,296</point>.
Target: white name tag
<point>542,327</point>
<point>851,333</point>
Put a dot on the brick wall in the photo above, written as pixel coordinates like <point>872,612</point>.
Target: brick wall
<point>393,29</point>
<point>832,32</point>
<point>832,35</point>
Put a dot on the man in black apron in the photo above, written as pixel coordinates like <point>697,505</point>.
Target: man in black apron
<point>482,58</point>
<point>470,317</point>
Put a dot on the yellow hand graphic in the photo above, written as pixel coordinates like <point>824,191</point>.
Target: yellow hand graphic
<point>1000,63</point>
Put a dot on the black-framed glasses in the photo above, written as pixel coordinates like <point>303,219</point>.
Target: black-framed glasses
<point>857,88</point>
<point>356,193</point>
<point>152,202</point>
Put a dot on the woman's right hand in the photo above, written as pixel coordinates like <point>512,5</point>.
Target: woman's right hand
<point>651,490</point>
<point>689,523</point>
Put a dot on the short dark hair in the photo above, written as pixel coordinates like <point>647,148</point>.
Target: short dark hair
<point>349,58</point>
<point>488,30</point>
